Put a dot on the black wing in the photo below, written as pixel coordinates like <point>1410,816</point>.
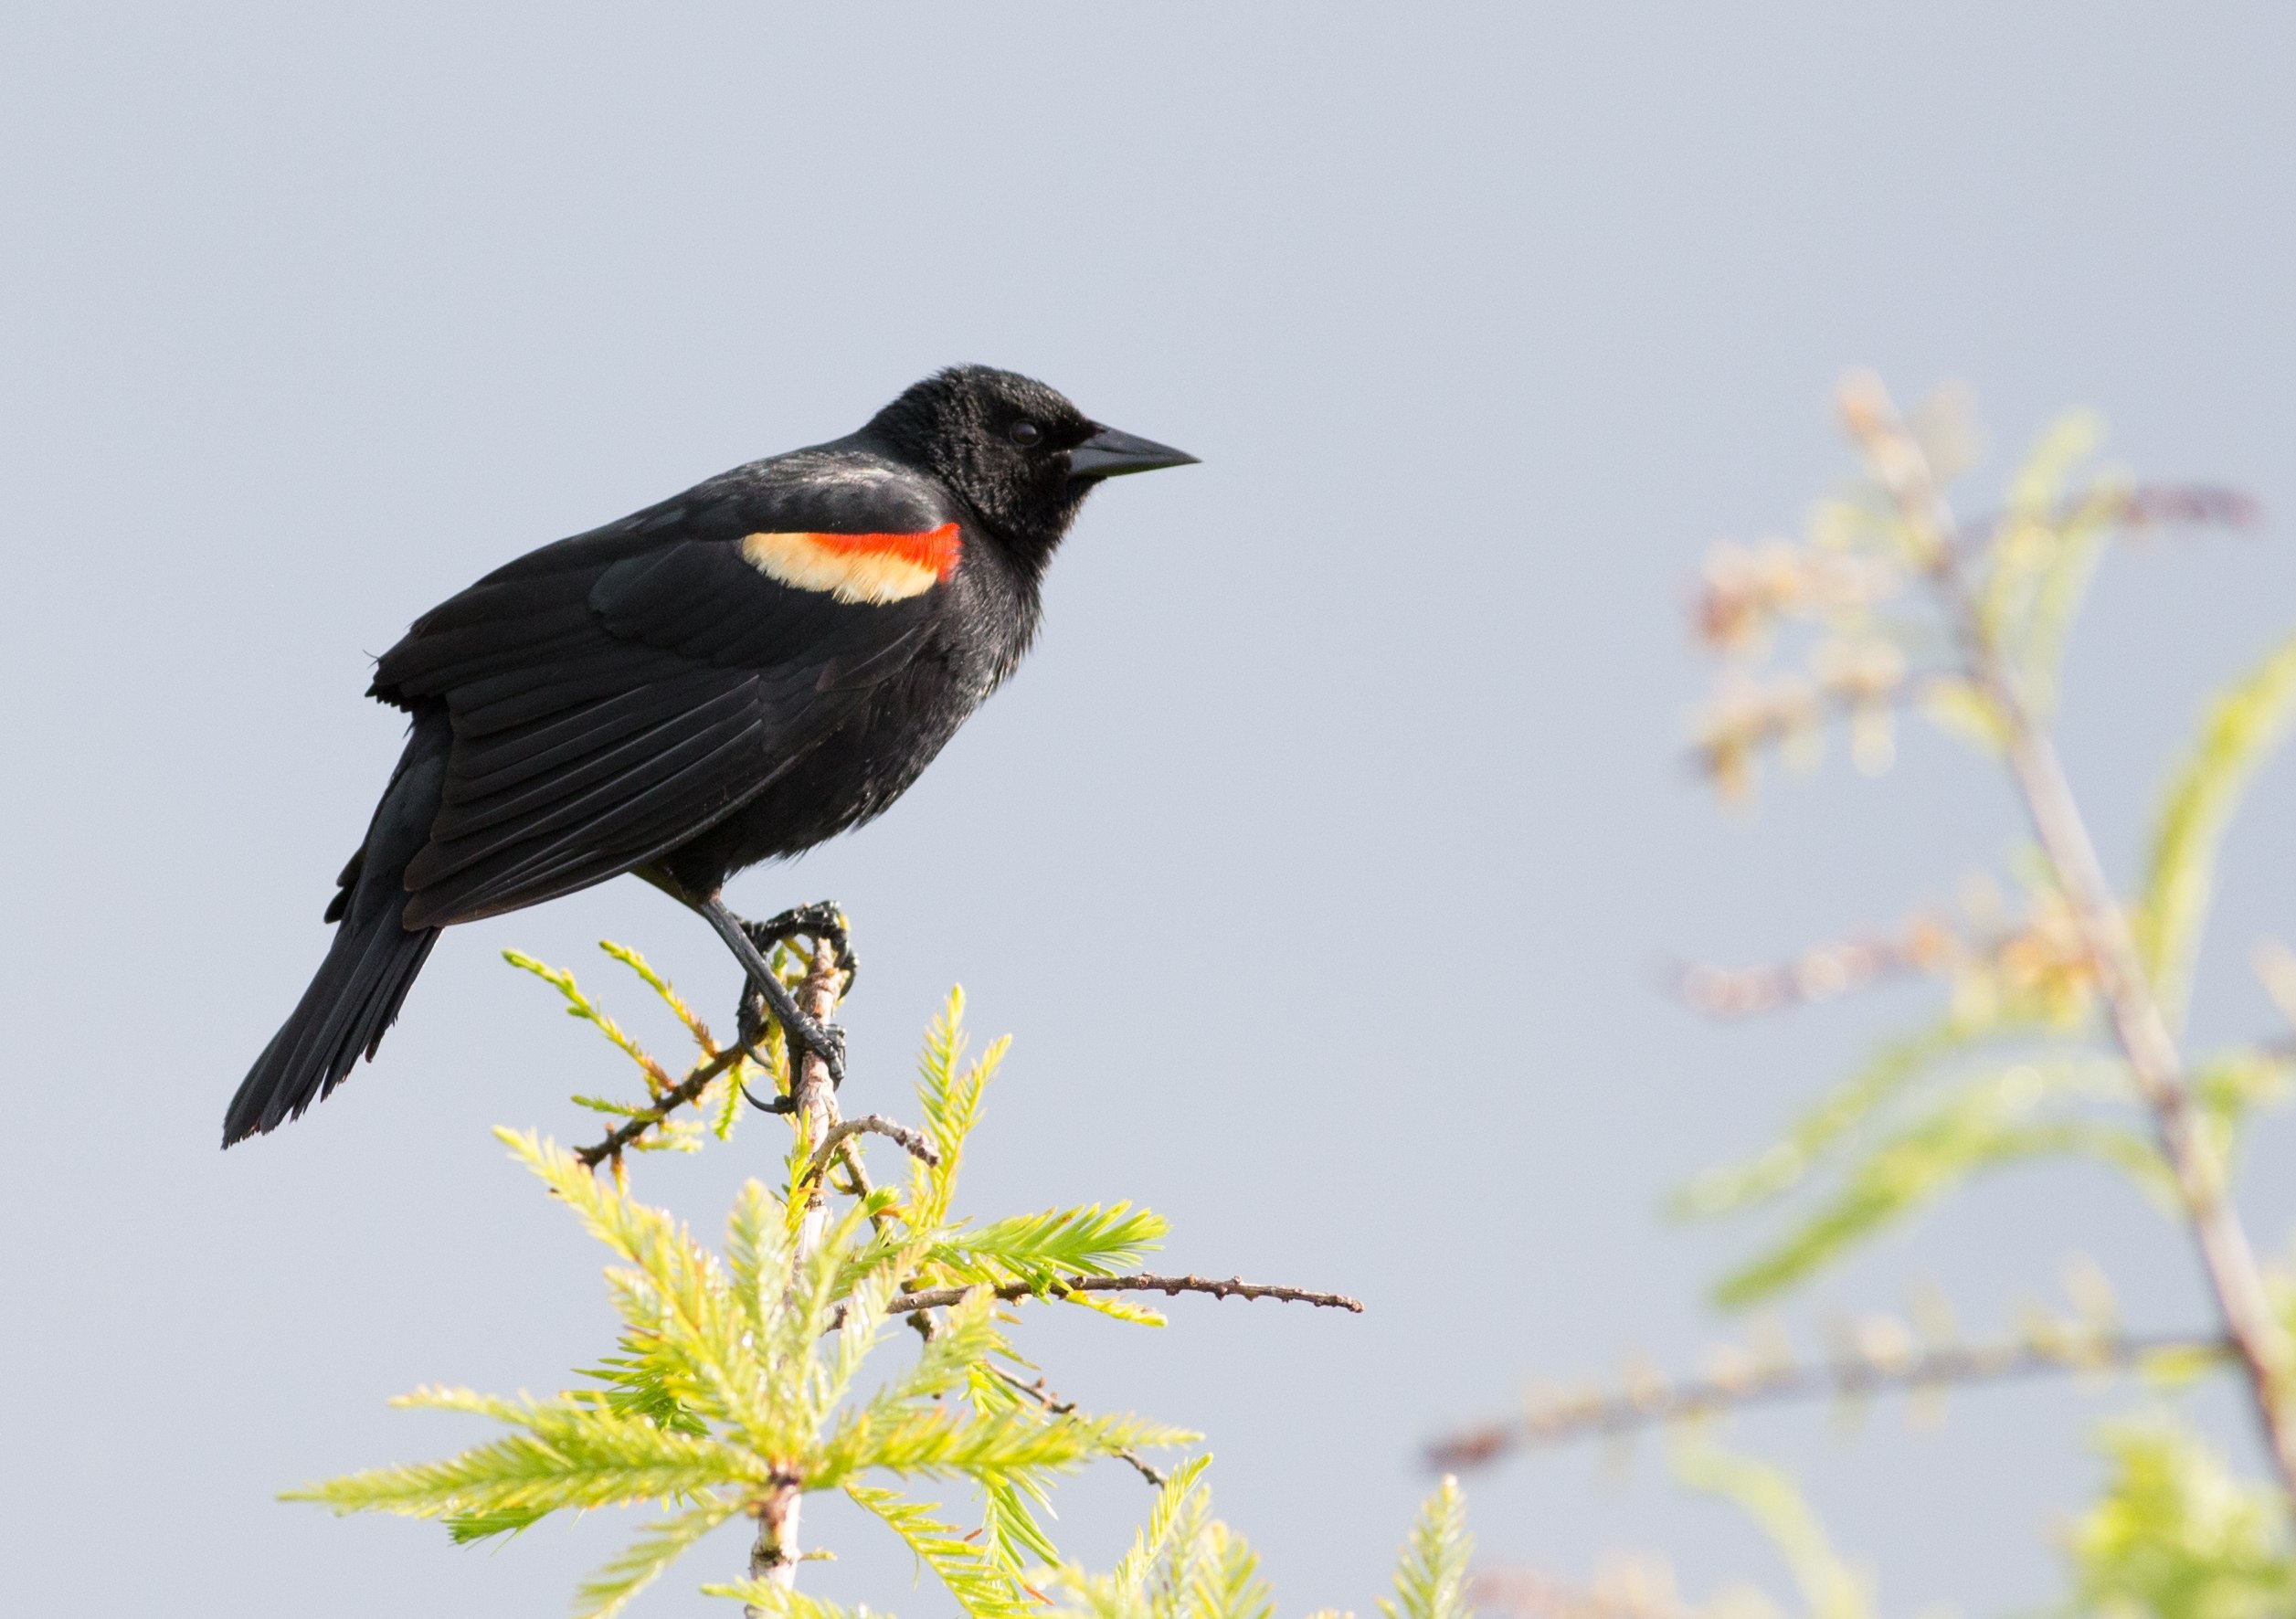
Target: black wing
<point>614,695</point>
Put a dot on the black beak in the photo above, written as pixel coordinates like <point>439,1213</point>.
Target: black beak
<point>1108,453</point>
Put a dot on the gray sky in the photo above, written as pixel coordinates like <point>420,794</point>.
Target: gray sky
<point>1484,320</point>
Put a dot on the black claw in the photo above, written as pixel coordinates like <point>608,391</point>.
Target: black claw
<point>825,1041</point>
<point>823,919</point>
<point>832,1053</point>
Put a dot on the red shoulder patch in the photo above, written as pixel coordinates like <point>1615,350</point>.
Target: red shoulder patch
<point>873,568</point>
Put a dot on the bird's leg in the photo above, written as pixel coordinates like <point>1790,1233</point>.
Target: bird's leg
<point>823,919</point>
<point>825,1041</point>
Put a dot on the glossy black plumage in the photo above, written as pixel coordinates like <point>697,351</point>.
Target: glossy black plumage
<point>646,697</point>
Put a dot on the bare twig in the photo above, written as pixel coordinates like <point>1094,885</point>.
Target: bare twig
<point>2188,505</point>
<point>859,1186</point>
<point>2030,956</point>
<point>911,1142</point>
<point>684,1092</point>
<point>933,1299</point>
<point>2138,1024</point>
<point>1658,1405</point>
<point>1056,1406</point>
<point>2131,512</point>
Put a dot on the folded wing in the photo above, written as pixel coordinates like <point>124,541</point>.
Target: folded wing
<point>614,696</point>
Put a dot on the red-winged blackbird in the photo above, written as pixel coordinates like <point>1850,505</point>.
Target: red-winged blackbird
<point>728,677</point>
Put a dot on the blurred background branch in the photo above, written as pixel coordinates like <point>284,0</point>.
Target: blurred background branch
<point>1888,1363</point>
<point>2061,1039</point>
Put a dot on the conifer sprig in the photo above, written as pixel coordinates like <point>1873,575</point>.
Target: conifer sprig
<point>982,1587</point>
<point>1039,1249</point>
<point>1431,1583</point>
<point>740,1378</point>
<point>713,1086</point>
<point>729,1383</point>
<point>579,1005</point>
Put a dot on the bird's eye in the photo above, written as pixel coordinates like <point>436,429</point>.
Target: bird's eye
<point>1026,433</point>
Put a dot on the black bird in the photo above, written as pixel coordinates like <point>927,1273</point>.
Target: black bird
<point>728,677</point>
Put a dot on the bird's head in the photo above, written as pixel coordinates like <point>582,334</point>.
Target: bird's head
<point>1018,452</point>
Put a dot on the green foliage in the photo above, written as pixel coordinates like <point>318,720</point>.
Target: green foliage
<point>646,1558</point>
<point>980,1583</point>
<point>778,1602</point>
<point>719,1105</point>
<point>1914,1123</point>
<point>1430,1581</point>
<point>1177,1516</point>
<point>1830,1588</point>
<point>2238,729</point>
<point>738,1372</point>
<point>950,1093</point>
<point>1039,1249</point>
<point>1981,1121</point>
<point>2020,1069</point>
<point>1788,1162</point>
<point>579,1005</point>
<point>1184,1564</point>
<point>2025,1065</point>
<point>2175,1536</point>
<point>2045,550</point>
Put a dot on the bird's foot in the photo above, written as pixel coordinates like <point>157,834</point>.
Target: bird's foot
<point>768,996</point>
<point>827,1042</point>
<point>822,921</point>
<point>805,1035</point>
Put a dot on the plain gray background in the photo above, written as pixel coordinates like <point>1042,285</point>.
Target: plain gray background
<point>1319,859</point>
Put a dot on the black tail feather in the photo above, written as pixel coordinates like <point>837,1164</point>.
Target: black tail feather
<point>363,982</point>
<point>340,1018</point>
